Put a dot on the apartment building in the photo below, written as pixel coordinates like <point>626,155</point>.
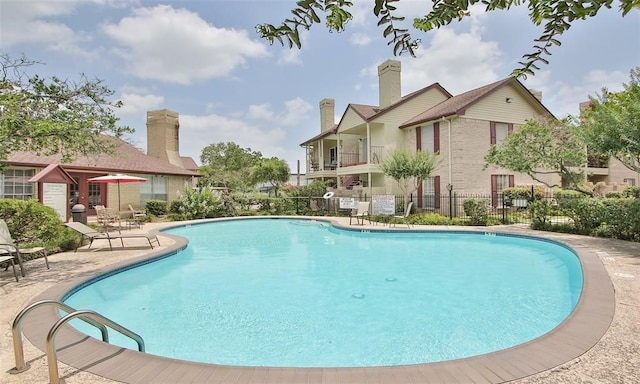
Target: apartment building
<point>460,128</point>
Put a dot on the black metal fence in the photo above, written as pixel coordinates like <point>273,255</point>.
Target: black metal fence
<point>494,209</point>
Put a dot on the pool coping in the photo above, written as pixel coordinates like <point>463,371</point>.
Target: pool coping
<point>582,329</point>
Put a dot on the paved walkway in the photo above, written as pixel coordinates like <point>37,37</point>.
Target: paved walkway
<point>615,359</point>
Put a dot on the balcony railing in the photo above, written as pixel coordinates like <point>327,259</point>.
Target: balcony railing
<point>598,161</point>
<point>356,158</point>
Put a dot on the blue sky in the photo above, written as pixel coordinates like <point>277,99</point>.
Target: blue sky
<point>204,60</point>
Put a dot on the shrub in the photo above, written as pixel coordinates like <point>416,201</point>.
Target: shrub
<point>614,195</point>
<point>31,222</point>
<point>477,209</point>
<point>156,207</point>
<point>540,212</point>
<point>522,193</point>
<point>434,219</point>
<point>631,192</point>
<point>175,206</point>
<point>203,202</point>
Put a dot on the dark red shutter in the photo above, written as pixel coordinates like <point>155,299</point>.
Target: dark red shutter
<point>419,192</point>
<point>436,192</point>
<point>436,137</point>
<point>512,181</point>
<point>494,190</point>
<point>509,128</point>
<point>492,130</point>
<point>418,138</point>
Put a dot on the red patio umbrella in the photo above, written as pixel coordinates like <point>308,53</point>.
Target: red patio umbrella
<point>118,178</point>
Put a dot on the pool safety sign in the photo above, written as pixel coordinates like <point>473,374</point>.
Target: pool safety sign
<point>348,203</point>
<point>384,204</point>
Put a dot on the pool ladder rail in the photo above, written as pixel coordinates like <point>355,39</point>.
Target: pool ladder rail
<point>88,316</point>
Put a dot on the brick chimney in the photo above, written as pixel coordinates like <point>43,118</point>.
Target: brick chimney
<point>389,82</point>
<point>163,136</point>
<point>536,93</point>
<point>327,114</point>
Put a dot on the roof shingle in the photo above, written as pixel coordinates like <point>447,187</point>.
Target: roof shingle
<point>126,159</point>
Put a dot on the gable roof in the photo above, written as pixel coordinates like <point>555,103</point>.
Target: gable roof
<point>457,105</point>
<point>189,163</point>
<point>53,173</point>
<point>370,112</point>
<point>322,135</point>
<point>126,159</point>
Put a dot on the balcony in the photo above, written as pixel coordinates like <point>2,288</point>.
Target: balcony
<point>348,159</point>
<point>598,165</point>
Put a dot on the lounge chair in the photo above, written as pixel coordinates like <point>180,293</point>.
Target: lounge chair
<point>92,234</point>
<point>361,212</point>
<point>404,217</point>
<point>10,248</point>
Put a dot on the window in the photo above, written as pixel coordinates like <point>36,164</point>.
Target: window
<point>430,138</point>
<point>498,184</point>
<point>431,193</point>
<point>14,184</point>
<point>499,131</point>
<point>154,189</point>
<point>630,182</point>
<point>333,156</point>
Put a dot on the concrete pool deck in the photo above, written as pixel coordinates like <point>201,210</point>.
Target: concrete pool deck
<point>614,358</point>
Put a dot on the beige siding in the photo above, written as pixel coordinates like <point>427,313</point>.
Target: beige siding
<point>393,137</point>
<point>495,108</point>
<point>618,172</point>
<point>130,192</point>
<point>350,119</point>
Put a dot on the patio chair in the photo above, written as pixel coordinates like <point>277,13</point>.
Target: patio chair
<point>92,235</point>
<point>404,217</point>
<point>107,217</point>
<point>9,259</point>
<point>11,248</point>
<point>361,212</point>
<point>137,217</point>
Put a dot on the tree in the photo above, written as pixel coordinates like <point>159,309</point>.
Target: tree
<point>227,165</point>
<point>543,147</point>
<point>611,123</point>
<point>53,116</point>
<point>273,171</point>
<point>409,169</point>
<point>557,17</point>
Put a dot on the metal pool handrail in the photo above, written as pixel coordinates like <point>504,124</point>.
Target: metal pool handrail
<point>51,348</point>
<point>16,330</point>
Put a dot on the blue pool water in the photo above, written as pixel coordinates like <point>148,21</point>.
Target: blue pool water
<point>295,293</point>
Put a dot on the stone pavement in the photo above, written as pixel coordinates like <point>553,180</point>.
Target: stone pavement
<point>615,359</point>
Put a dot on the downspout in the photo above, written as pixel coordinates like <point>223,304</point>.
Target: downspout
<point>449,157</point>
<point>338,160</point>
<point>369,158</point>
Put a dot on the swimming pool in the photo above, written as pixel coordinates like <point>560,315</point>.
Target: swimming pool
<point>328,297</point>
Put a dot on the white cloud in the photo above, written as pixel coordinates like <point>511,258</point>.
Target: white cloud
<point>178,46</point>
<point>458,61</point>
<point>295,111</point>
<point>290,56</point>
<point>27,22</point>
<point>563,96</point>
<point>260,112</point>
<point>360,39</point>
<point>197,132</point>
<point>138,103</point>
